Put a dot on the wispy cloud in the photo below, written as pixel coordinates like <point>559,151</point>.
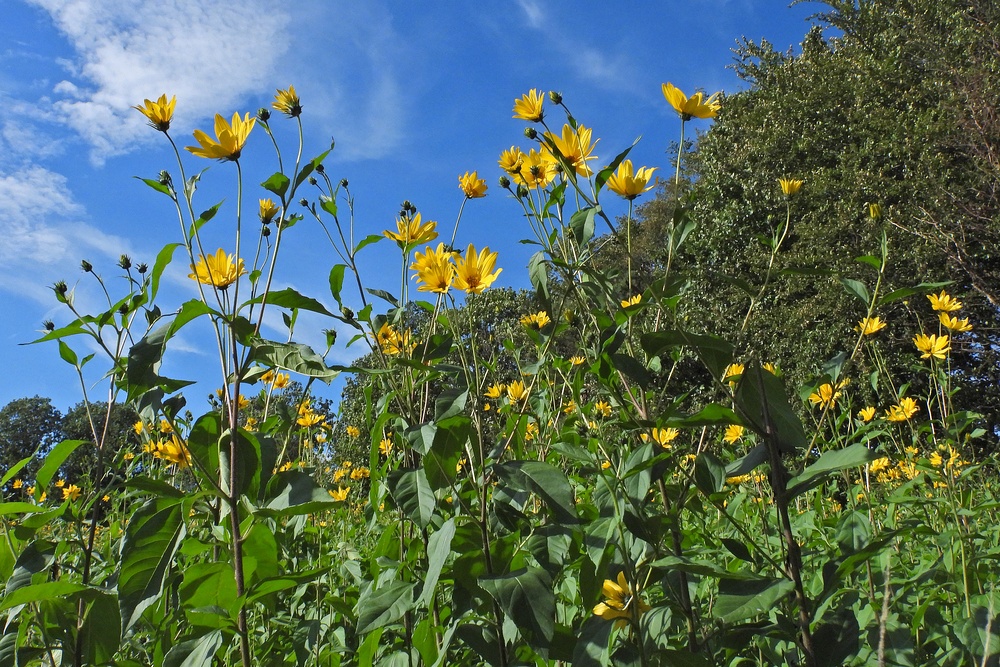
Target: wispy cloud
<point>210,54</point>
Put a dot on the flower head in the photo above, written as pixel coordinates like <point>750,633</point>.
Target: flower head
<point>790,186</point>
<point>340,495</point>
<point>622,603</point>
<point>385,446</point>
<point>866,414</point>
<point>71,492</point>
<point>824,396</point>
<point>495,391</point>
<point>694,107</point>
<point>661,436</point>
<point>906,408</point>
<point>733,433</point>
<point>172,450</point>
<point>535,171</point>
<point>632,301</point>
<point>529,106</point>
<point>732,374</point>
<point>870,326</point>
<point>287,102</point>
<point>393,342</point>
<point>434,269</point>
<point>158,113</point>
<point>537,320</point>
<point>473,186</point>
<point>412,230</point>
<point>573,146</point>
<point>511,160</point>
<point>602,409</point>
<point>268,209</point>
<point>628,183</point>
<point>474,272</point>
<point>230,138</point>
<point>517,392</point>
<point>944,302</point>
<point>874,211</point>
<point>933,345</point>
<point>219,269</point>
<point>353,431</point>
<point>953,323</point>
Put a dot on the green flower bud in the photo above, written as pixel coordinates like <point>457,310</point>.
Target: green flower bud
<point>125,262</point>
<point>530,133</point>
<point>555,97</point>
<point>263,115</point>
<point>86,266</point>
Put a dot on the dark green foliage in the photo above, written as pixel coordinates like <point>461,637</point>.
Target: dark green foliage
<point>27,425</point>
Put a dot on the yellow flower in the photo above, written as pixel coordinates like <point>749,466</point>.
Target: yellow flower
<point>605,465</point>
<point>393,342</point>
<point>825,396</point>
<point>128,456</point>
<point>71,492</point>
<point>602,408</point>
<point>218,269</point>
<point>632,301</point>
<point>267,210</point>
<point>944,302</point>
<point>242,402</point>
<point>311,418</point>
<point>287,102</point>
<point>732,373</point>
<point>474,272</point>
<point>473,186</point>
<point>570,407</point>
<point>537,320</point>
<point>529,106</point>
<point>932,346</point>
<point>166,426</point>
<point>953,323</point>
<point>412,230</point>
<point>385,447</point>
<point>530,432</point>
<point>511,160</point>
<point>173,451</point>
<point>158,113</point>
<point>621,603</point>
<point>628,183</point>
<point>790,186</point>
<point>906,408</point>
<point>340,495</point>
<point>251,423</point>
<point>434,269</point>
<point>770,368</point>
<point>353,432</point>
<point>60,483</point>
<point>733,433</point>
<point>495,391</point>
<point>536,171</point>
<point>517,392</point>
<point>866,414</point>
<point>573,145</point>
<point>360,473</point>
<point>874,211</point>
<point>138,427</point>
<point>105,497</point>
<point>661,436</point>
<point>30,490</point>
<point>18,484</point>
<point>695,107</point>
<point>870,326</point>
<point>577,360</point>
<point>231,137</point>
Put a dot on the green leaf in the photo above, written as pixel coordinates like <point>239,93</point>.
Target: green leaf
<point>450,402</point>
<point>582,224</point>
<point>293,492</point>
<point>156,185</point>
<point>748,463</point>
<point>604,174</point>
<point>527,597</point>
<point>857,288</point>
<point>539,275</point>
<point>153,534</point>
<point>714,352</point>
<point>438,550</point>
<point>67,354</point>
<point>202,219</point>
<point>198,652</point>
<point>709,473</point>
<point>761,403</point>
<point>592,645</point>
<point>163,258</point>
<point>385,296</point>
<point>545,480</point>
<point>337,282</point>
<point>838,459</point>
<point>54,460</point>
<point>413,493</point>
<point>310,166</point>
<point>49,590</point>
<point>367,241</point>
<point>289,298</point>
<point>296,357</point>
<point>277,183</point>
<point>740,599</point>
<point>102,629</point>
<point>380,606</point>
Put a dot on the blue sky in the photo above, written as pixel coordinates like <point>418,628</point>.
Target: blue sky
<point>415,94</point>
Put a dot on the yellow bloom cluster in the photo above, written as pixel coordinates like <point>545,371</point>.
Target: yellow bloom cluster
<point>393,342</point>
<point>901,412</point>
<point>790,186</point>
<point>622,602</point>
<point>172,449</point>
<point>276,380</point>
<point>733,433</point>
<point>308,417</point>
<point>826,395</point>
<point>932,346</point>
<point>869,326</point>
<point>439,268</point>
<point>661,436</point>
<point>340,495</point>
<point>537,320</point>
<point>410,229</point>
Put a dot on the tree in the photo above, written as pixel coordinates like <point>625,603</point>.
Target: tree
<point>27,426</point>
<point>880,115</point>
<point>114,429</point>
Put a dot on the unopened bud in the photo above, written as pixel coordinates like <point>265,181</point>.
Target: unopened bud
<point>86,266</point>
<point>530,133</point>
<point>142,268</point>
<point>49,325</point>
<point>123,309</point>
<point>312,180</point>
<point>265,231</point>
<point>125,262</point>
<point>555,97</point>
<point>165,178</point>
<point>504,182</point>
<point>874,211</point>
<point>304,202</point>
<point>320,169</point>
<point>343,182</point>
<point>347,312</point>
<point>61,288</point>
<point>522,191</point>
<point>263,115</point>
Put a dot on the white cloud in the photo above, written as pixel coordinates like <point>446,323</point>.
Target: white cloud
<point>210,54</point>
